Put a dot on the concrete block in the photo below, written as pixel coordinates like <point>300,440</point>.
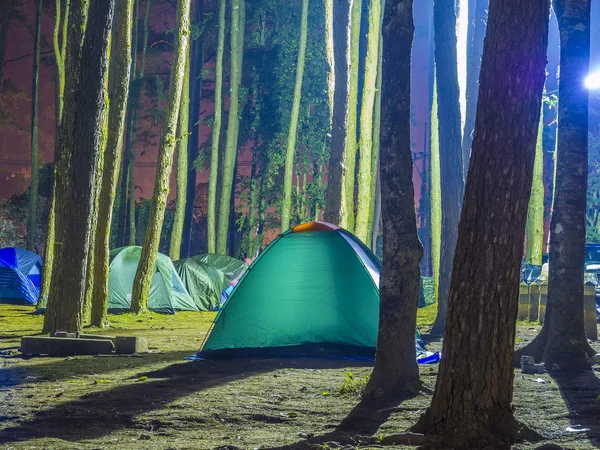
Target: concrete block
<point>62,346</point>
<point>130,345</point>
<point>528,366</point>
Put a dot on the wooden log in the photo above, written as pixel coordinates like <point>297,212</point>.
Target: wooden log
<point>523,313</point>
<point>543,301</point>
<point>62,346</point>
<point>589,311</point>
<point>534,302</point>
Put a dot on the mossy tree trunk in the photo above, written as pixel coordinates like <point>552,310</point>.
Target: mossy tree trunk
<point>534,231</point>
<point>182,165</point>
<point>396,370</point>
<point>450,139</point>
<point>79,145</point>
<point>335,199</point>
<point>562,340</point>
<point>211,214</point>
<point>329,55</point>
<point>112,160</point>
<point>35,173</point>
<point>472,402</point>
<point>365,143</point>
<point>147,264</point>
<point>293,130</point>
<point>238,17</point>
<point>60,46</point>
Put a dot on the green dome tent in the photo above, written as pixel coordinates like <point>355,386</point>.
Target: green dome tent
<point>231,268</point>
<point>203,282</point>
<point>167,292</point>
<point>313,291</point>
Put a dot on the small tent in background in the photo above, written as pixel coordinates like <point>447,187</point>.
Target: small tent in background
<point>167,292</point>
<point>313,291</point>
<point>207,276</point>
<point>19,276</point>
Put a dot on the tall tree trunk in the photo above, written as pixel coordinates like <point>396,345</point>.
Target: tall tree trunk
<point>293,130</point>
<point>60,47</point>
<point>329,55</point>
<point>211,214</point>
<point>396,370</point>
<point>352,144</point>
<point>35,173</point>
<point>79,147</point>
<point>452,182</point>
<point>335,200</point>
<point>112,160</point>
<point>534,230</point>
<point>6,16</point>
<point>238,18</point>
<point>195,93</point>
<point>435,193</point>
<point>365,143</point>
<point>562,340</point>
<point>182,166</point>
<point>471,406</point>
<point>147,264</point>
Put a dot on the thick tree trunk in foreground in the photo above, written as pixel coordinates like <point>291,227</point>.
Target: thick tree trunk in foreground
<point>534,230</point>
<point>233,125</point>
<point>79,145</point>
<point>195,94</point>
<point>293,130</point>
<point>365,143</point>
<point>471,406</point>
<point>396,368</point>
<point>35,173</point>
<point>452,181</point>
<point>335,204</point>
<point>147,264</point>
<point>112,161</point>
<point>562,340</point>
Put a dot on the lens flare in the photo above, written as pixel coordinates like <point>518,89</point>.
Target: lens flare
<point>592,82</point>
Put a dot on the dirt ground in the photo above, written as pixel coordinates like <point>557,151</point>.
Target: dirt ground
<point>160,401</point>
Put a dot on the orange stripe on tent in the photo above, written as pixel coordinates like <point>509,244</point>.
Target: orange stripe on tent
<point>314,226</point>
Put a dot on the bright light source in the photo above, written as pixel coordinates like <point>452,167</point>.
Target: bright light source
<point>592,82</point>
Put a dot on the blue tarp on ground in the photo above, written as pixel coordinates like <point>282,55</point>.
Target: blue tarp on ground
<point>20,272</point>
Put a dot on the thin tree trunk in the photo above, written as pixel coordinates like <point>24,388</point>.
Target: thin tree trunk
<point>336,205</point>
<point>146,266</point>
<point>228,183</point>
<point>112,157</point>
<point>329,55</point>
<point>472,403</point>
<point>365,144</point>
<point>60,47</point>
<point>452,181</point>
<point>79,147</point>
<point>435,193</point>
<point>534,230</point>
<point>475,48</point>
<point>195,93</point>
<point>6,16</point>
<point>562,340</point>
<point>293,130</point>
<point>182,166</point>
<point>211,214</point>
<point>396,370</point>
<point>35,173</point>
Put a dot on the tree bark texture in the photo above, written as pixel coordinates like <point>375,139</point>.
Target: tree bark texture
<point>233,125</point>
<point>562,340</point>
<point>335,200</point>
<point>35,173</point>
<point>534,230</point>
<point>396,368</point>
<point>112,160</point>
<point>79,145</point>
<point>365,143</point>
<point>330,56</point>
<point>286,207</point>
<point>451,173</point>
<point>471,406</point>
<point>168,141</point>
<point>211,215</point>
<point>195,94</point>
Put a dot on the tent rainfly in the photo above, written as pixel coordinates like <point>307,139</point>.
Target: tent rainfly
<point>19,276</point>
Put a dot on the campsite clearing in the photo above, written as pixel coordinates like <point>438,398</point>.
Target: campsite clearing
<point>160,401</point>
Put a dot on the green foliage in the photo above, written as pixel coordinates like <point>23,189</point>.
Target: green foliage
<point>353,385</point>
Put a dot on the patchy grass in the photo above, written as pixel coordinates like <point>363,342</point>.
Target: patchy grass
<point>426,317</point>
<point>160,401</point>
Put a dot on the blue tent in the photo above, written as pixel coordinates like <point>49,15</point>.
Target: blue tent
<point>20,272</point>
